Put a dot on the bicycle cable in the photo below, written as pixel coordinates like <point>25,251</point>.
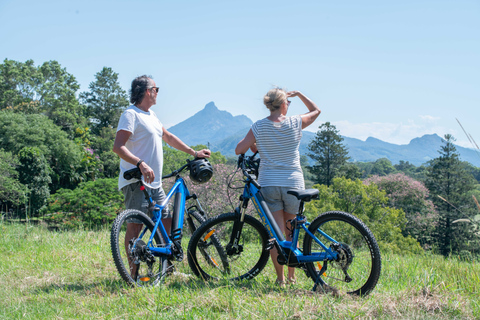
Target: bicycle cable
<point>230,180</point>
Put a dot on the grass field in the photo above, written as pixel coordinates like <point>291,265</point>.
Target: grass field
<point>71,275</point>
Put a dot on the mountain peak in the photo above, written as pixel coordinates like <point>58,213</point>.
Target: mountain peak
<point>211,106</point>
<point>210,125</point>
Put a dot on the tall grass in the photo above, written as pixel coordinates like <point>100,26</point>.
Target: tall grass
<point>71,275</point>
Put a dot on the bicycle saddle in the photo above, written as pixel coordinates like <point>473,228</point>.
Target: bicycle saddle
<point>304,195</point>
<point>132,173</point>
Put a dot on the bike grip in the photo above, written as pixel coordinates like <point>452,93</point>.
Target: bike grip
<point>240,160</point>
<point>255,183</point>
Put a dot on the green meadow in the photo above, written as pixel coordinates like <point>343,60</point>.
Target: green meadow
<point>71,275</point>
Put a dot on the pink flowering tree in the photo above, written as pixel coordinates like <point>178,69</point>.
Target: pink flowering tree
<point>217,195</point>
<point>411,196</point>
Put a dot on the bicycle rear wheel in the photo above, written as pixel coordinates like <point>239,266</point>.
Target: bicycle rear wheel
<point>357,268</point>
<point>135,263</point>
<point>194,220</point>
<point>208,261</point>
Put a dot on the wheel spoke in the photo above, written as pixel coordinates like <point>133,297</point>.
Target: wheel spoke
<point>212,255</point>
<point>134,261</point>
<point>357,267</point>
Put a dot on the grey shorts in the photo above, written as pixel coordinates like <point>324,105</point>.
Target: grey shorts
<point>135,199</point>
<point>278,199</point>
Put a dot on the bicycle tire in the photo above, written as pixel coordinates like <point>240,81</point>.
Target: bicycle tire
<point>123,257</point>
<point>237,265</point>
<point>195,216</point>
<point>200,219</point>
<point>360,255</point>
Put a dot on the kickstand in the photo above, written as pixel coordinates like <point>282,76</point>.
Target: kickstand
<point>319,280</point>
<point>324,287</point>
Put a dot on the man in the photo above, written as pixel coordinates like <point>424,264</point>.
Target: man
<point>138,142</point>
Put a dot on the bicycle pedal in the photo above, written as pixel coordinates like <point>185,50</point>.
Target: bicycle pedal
<point>270,244</point>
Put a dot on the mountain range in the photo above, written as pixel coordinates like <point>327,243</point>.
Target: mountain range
<point>221,131</point>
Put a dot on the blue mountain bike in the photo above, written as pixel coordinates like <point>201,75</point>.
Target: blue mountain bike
<point>339,252</point>
<point>142,250</point>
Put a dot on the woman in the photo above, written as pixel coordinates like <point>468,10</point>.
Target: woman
<point>277,138</point>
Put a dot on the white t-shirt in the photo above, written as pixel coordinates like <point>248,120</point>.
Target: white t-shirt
<point>145,142</point>
<point>277,144</point>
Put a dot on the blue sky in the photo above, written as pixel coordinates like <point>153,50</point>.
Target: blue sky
<point>393,70</point>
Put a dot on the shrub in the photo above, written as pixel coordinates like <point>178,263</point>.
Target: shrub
<point>369,204</point>
<point>91,204</point>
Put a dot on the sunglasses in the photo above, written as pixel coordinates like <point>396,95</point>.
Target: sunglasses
<point>288,102</point>
<point>154,89</point>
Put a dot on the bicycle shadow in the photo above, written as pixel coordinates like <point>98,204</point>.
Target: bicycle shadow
<point>114,286</point>
<point>260,286</point>
<point>107,286</point>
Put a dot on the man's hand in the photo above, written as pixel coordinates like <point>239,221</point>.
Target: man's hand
<point>204,153</point>
<point>147,172</point>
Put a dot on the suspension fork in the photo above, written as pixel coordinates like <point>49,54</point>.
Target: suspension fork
<point>233,246</point>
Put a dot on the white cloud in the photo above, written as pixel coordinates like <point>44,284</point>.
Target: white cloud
<point>428,118</point>
<point>399,133</point>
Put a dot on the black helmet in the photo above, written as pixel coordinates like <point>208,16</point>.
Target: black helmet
<point>200,170</point>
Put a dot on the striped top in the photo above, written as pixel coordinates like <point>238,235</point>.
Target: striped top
<point>277,144</point>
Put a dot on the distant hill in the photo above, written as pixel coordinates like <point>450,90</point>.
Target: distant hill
<point>222,131</point>
<point>418,151</point>
<point>211,126</point>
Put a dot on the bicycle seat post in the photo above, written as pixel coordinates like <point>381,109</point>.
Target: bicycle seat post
<point>300,208</point>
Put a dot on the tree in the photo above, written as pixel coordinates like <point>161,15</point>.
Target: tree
<point>48,89</point>
<point>19,83</point>
<point>34,173</point>
<point>35,130</point>
<point>475,171</point>
<point>382,167</point>
<point>328,152</point>
<point>12,192</point>
<point>350,171</point>
<point>411,196</point>
<point>450,184</point>
<point>103,144</point>
<point>405,167</point>
<point>105,101</point>
<point>57,97</point>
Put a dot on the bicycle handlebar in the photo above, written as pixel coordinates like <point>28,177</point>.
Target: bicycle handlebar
<point>137,173</point>
<point>176,172</point>
<point>248,164</point>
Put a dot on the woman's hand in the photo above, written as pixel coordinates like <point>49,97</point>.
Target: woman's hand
<point>292,94</point>
<point>313,111</point>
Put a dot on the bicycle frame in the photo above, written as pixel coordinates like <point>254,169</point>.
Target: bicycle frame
<point>181,194</point>
<point>288,249</point>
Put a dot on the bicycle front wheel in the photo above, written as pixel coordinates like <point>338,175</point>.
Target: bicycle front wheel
<point>212,254</point>
<point>357,267</point>
<point>136,264</point>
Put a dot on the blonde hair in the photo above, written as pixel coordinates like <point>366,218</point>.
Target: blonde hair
<point>274,98</point>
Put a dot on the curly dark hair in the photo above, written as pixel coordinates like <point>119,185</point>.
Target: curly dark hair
<point>139,86</point>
